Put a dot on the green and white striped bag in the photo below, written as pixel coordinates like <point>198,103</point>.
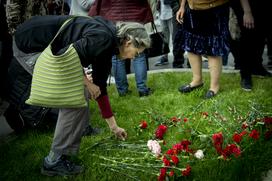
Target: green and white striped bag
<point>57,80</point>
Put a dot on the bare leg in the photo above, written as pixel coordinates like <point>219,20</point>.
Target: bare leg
<point>196,66</point>
<point>215,66</point>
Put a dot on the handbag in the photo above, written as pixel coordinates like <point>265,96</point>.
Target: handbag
<point>57,80</point>
<point>158,44</point>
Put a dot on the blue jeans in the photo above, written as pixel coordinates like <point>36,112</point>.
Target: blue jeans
<point>119,73</point>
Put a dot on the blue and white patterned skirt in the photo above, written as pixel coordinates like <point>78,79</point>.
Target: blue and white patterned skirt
<point>205,32</point>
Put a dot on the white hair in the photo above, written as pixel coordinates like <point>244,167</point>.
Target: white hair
<point>135,32</point>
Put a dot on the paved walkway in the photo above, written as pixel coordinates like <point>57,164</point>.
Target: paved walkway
<point>168,67</point>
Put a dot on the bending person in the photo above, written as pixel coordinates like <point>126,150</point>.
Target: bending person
<point>96,40</point>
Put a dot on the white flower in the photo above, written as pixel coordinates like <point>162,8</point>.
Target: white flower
<point>154,147</point>
<point>199,154</point>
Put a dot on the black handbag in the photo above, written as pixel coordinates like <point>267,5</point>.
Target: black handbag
<point>158,45</point>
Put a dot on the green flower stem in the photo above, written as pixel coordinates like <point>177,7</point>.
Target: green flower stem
<point>114,170</point>
<point>128,167</point>
<point>131,151</point>
<point>114,159</point>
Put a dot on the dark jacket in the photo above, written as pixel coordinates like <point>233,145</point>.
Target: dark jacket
<point>93,38</point>
<point>123,10</point>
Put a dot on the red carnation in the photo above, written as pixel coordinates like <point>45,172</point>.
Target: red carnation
<point>267,120</point>
<point>165,161</point>
<point>237,137</point>
<point>231,149</point>
<point>170,152</point>
<point>143,124</point>
<point>172,173</point>
<point>160,131</point>
<point>175,159</point>
<point>218,141</point>
<point>254,134</point>
<point>187,171</point>
<point>162,174</point>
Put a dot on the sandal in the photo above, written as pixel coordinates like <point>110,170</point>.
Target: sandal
<point>187,88</point>
<point>210,94</point>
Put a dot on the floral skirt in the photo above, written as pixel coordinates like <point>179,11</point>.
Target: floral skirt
<point>205,32</point>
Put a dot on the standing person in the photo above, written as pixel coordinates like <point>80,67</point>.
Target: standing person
<point>205,32</point>
<point>178,52</point>
<point>19,11</point>
<point>134,11</point>
<point>254,32</point>
<point>165,16</point>
<point>95,41</point>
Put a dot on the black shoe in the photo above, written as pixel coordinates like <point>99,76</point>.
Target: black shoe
<point>162,61</point>
<point>246,84</point>
<point>63,167</point>
<point>145,93</point>
<point>90,131</point>
<point>262,73</point>
<point>187,88</point>
<point>177,65</point>
<point>237,67</point>
<point>210,94</point>
<point>128,92</point>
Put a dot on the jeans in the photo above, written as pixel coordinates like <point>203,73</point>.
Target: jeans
<point>119,73</point>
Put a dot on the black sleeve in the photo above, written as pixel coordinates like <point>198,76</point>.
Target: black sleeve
<point>95,48</point>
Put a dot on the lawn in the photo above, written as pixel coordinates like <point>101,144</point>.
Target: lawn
<point>188,117</point>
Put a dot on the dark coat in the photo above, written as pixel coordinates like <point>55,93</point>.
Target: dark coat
<point>93,38</point>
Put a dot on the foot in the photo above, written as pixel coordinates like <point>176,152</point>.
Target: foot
<point>246,84</point>
<point>210,94</point>
<point>145,93</point>
<point>63,167</point>
<point>122,94</point>
<point>90,131</point>
<point>188,88</point>
<point>262,73</point>
<point>162,61</point>
<point>178,63</point>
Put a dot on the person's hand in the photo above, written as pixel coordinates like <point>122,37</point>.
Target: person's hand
<point>90,78</point>
<point>179,15</point>
<point>93,89</point>
<point>120,133</point>
<point>248,20</point>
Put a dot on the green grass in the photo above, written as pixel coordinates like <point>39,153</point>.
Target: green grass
<point>106,158</point>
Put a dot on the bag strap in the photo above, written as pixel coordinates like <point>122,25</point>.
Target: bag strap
<point>65,23</point>
<point>156,31</point>
<point>62,27</point>
<point>154,27</point>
